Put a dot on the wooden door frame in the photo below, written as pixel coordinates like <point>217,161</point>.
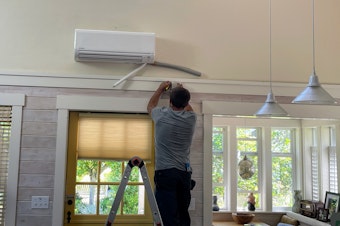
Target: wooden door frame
<point>67,103</point>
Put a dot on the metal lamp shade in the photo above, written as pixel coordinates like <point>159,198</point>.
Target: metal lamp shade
<point>271,108</point>
<point>314,94</point>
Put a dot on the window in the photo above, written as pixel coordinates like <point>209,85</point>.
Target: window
<point>97,184</point>
<point>333,170</point>
<point>5,134</point>
<point>114,136</point>
<point>280,165</point>
<point>315,173</point>
<point>100,145</point>
<point>230,115</point>
<point>248,146</point>
<point>218,175</point>
<point>321,164</point>
<point>283,150</point>
<point>268,144</point>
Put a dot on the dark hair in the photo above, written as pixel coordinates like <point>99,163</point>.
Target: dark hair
<point>179,97</point>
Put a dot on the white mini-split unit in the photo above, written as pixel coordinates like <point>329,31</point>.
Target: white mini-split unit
<point>114,46</point>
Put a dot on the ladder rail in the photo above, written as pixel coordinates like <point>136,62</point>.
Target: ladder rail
<point>152,200</point>
<point>119,196</point>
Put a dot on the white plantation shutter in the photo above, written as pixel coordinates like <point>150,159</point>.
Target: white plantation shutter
<point>5,133</point>
<point>315,173</point>
<point>114,136</point>
<point>333,171</point>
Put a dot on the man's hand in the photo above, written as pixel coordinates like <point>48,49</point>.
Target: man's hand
<point>179,84</point>
<point>165,85</point>
<point>155,97</point>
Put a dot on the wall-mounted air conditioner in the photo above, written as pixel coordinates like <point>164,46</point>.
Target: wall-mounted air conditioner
<point>114,46</point>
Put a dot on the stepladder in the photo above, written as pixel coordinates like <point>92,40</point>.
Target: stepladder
<point>138,162</point>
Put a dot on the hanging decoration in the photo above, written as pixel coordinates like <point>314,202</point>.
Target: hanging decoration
<point>245,168</point>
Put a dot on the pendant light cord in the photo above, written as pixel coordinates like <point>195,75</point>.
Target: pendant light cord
<point>313,37</point>
<point>270,46</point>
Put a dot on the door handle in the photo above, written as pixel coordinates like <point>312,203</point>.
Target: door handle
<point>69,201</point>
<point>68,216</point>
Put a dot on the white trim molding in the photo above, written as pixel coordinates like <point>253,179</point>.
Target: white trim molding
<point>142,83</point>
<point>95,103</point>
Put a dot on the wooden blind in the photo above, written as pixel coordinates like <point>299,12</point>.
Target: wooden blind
<point>5,133</point>
<point>333,169</point>
<point>113,136</point>
<point>315,172</point>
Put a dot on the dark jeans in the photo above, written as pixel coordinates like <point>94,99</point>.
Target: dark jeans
<point>173,196</point>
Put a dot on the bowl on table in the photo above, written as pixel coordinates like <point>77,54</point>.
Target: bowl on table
<point>243,218</point>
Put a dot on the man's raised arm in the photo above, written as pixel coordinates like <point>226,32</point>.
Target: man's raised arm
<point>157,94</point>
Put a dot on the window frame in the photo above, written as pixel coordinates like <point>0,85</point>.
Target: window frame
<point>17,101</point>
<point>254,154</point>
<point>333,159</point>
<point>67,103</point>
<point>264,128</point>
<point>296,111</point>
<point>224,156</point>
<point>294,136</point>
<point>72,182</point>
<point>317,136</point>
<point>6,125</point>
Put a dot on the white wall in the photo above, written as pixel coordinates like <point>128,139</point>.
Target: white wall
<point>226,40</point>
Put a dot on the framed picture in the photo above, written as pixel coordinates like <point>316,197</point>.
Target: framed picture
<point>332,203</point>
<point>322,214</point>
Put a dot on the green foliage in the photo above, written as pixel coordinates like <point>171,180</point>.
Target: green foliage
<point>220,192</point>
<point>87,170</point>
<point>81,207</point>
<point>218,169</point>
<point>105,203</point>
<point>247,144</point>
<point>217,140</point>
<point>246,133</point>
<point>218,166</point>
<point>131,200</point>
<point>282,174</point>
<point>281,141</point>
<point>110,172</point>
<point>282,182</point>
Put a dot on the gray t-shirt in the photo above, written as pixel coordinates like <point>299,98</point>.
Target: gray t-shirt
<point>173,136</point>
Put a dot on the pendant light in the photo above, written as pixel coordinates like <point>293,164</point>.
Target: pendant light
<point>314,93</point>
<point>271,108</point>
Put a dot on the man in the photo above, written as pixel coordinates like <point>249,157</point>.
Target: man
<point>174,129</point>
